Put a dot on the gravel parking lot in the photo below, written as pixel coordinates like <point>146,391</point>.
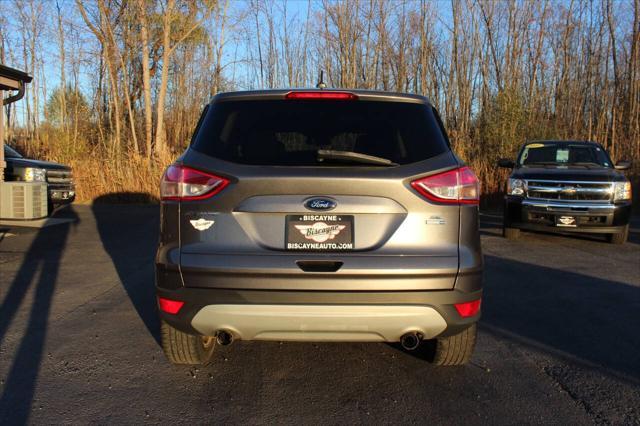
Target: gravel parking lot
<point>559,341</point>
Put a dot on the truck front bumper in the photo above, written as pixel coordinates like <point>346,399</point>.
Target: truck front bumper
<point>61,194</point>
<point>602,218</point>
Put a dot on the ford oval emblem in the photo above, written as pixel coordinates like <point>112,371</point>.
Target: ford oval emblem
<point>320,204</point>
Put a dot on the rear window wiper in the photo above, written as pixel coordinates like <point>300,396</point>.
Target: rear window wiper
<point>353,157</point>
<point>544,163</point>
<point>585,163</point>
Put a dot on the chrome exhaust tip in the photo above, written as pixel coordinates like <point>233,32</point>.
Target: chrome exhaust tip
<point>410,341</point>
<point>224,338</point>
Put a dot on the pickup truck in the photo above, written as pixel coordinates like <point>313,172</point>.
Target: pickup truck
<point>59,178</point>
<point>567,186</point>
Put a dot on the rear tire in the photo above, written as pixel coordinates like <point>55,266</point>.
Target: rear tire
<point>183,348</point>
<point>456,349</point>
<point>619,237</point>
<point>510,233</point>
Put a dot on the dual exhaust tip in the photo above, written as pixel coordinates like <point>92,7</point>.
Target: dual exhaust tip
<point>409,341</point>
<point>224,337</point>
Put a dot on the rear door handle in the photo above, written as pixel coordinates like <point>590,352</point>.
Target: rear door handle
<point>319,265</point>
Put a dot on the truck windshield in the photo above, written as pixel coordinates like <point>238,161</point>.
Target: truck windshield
<point>11,153</point>
<point>563,154</point>
<point>293,132</point>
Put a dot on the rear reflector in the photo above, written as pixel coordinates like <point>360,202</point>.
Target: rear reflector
<point>459,186</point>
<point>183,183</point>
<point>336,96</point>
<point>468,309</point>
<point>170,306</point>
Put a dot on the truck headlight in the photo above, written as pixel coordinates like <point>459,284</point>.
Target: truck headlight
<point>622,191</point>
<point>515,187</point>
<point>32,174</point>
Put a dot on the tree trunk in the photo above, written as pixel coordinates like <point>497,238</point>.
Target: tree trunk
<point>146,78</point>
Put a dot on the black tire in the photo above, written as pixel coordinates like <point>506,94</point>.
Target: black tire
<point>183,348</point>
<point>619,237</point>
<point>456,349</point>
<point>510,233</point>
<point>507,231</point>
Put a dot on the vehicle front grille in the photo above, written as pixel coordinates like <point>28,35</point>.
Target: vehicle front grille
<point>569,190</point>
<point>59,177</point>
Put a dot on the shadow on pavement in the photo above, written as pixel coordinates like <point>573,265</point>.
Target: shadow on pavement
<point>589,318</point>
<point>570,315</point>
<point>38,271</point>
<point>130,237</point>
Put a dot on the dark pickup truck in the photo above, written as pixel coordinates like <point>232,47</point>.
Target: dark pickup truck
<point>59,178</point>
<point>567,186</point>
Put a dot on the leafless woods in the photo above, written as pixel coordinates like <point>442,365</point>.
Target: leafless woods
<point>121,83</point>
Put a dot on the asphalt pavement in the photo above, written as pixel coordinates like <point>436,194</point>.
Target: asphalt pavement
<point>559,341</point>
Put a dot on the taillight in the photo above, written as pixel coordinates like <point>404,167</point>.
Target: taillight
<point>468,309</point>
<point>339,96</point>
<point>184,183</point>
<point>170,306</point>
<point>459,186</point>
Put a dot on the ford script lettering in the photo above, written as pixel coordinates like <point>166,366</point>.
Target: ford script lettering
<point>320,204</point>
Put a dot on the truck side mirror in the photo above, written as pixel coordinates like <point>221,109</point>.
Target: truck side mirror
<point>506,163</point>
<point>623,165</point>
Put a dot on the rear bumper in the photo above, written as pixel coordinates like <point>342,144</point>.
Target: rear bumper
<point>318,315</point>
<point>541,216</point>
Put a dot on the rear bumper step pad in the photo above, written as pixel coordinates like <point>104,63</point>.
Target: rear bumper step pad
<point>366,323</point>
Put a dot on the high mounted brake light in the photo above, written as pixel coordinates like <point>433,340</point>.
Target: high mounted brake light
<point>181,183</point>
<point>458,186</point>
<point>336,96</point>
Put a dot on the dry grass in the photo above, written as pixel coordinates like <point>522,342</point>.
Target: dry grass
<point>100,174</point>
<point>127,177</point>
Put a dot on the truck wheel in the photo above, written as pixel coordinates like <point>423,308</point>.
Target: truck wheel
<point>183,348</point>
<point>619,237</point>
<point>456,349</point>
<point>510,233</point>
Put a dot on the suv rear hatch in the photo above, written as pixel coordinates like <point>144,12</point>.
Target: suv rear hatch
<point>282,215</point>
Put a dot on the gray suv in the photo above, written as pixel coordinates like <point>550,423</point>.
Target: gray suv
<point>318,215</point>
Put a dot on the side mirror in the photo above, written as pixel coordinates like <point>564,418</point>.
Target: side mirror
<point>506,163</point>
<point>623,165</point>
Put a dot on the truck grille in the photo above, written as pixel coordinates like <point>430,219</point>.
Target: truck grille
<point>59,177</point>
<point>569,190</point>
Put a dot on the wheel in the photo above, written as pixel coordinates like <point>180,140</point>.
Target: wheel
<point>183,348</point>
<point>619,237</point>
<point>510,233</point>
<point>456,349</point>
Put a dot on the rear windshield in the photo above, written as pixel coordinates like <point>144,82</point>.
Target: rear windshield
<point>563,154</point>
<point>290,132</point>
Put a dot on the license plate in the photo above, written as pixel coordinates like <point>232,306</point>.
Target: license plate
<point>319,232</point>
<point>568,221</point>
